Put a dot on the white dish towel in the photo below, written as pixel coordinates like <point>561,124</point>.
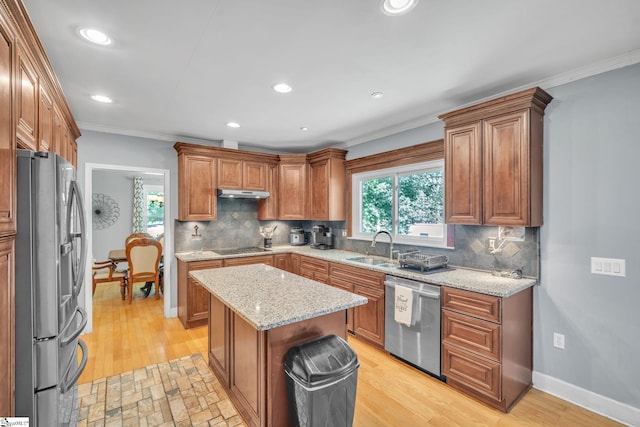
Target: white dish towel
<point>403,305</point>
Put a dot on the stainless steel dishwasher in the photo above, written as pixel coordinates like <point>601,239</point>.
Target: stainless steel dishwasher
<point>418,344</point>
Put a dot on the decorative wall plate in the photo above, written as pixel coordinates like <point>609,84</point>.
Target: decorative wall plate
<point>105,211</point>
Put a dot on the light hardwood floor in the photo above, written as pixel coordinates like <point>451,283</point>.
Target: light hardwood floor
<point>390,393</point>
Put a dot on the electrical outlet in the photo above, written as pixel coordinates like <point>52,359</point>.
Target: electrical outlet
<point>558,340</point>
<point>491,243</point>
<point>344,233</point>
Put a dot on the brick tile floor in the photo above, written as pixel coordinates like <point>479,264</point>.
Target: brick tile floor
<point>181,392</point>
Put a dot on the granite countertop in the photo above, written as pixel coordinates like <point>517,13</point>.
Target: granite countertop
<point>462,278</point>
<point>268,297</point>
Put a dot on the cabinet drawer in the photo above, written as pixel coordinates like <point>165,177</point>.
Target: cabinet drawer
<point>358,276</point>
<point>260,259</point>
<point>478,336</point>
<point>482,306</point>
<point>472,373</point>
<point>203,265</point>
<point>316,265</point>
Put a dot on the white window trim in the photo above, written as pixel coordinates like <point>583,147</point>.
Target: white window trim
<point>356,203</point>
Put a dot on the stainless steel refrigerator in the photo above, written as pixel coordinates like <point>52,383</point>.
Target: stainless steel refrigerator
<point>50,262</point>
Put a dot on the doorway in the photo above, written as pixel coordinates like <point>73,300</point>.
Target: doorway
<point>161,179</point>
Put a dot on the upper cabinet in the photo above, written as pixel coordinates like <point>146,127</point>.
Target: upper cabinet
<point>493,161</point>
<point>45,121</point>
<point>268,208</point>
<point>242,174</point>
<point>7,132</point>
<point>196,185</point>
<point>327,185</point>
<point>292,186</point>
<point>27,101</point>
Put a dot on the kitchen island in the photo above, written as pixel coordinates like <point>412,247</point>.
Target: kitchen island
<point>256,313</point>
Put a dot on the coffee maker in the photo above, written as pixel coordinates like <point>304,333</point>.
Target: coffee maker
<point>321,237</point>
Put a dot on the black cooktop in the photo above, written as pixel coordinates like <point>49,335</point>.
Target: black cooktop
<point>236,251</point>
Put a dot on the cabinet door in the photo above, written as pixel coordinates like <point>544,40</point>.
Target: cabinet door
<point>230,173</point>
<point>268,208</point>
<point>196,188</point>
<point>254,176</point>
<point>292,191</point>
<point>506,170</point>
<point>463,174</point>
<point>368,319</point>
<point>318,190</point>
<point>7,326</point>
<point>282,261</point>
<point>345,286</point>
<point>471,373</point>
<point>58,130</point>
<point>27,102</point>
<point>45,122</point>
<point>295,264</point>
<point>198,301</point>
<point>219,343</point>
<point>7,137</point>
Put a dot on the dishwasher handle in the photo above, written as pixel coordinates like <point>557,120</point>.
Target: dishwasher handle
<point>422,293</point>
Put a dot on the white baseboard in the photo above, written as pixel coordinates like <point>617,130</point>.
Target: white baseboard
<point>597,403</point>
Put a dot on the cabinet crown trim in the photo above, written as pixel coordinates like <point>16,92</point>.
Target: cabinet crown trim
<point>534,98</point>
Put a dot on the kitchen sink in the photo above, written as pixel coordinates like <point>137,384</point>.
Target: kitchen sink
<point>380,262</point>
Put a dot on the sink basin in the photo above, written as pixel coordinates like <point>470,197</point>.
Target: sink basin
<point>380,262</point>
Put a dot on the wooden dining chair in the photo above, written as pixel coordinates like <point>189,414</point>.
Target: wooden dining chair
<point>143,257</point>
<point>106,272</point>
<point>133,236</point>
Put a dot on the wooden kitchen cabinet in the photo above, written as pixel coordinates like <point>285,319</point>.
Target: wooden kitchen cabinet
<point>493,161</point>
<point>315,269</point>
<point>197,199</point>
<point>242,174</point>
<point>45,121</point>
<point>487,345</point>
<point>193,299</point>
<point>295,264</point>
<point>260,259</point>
<point>26,101</point>
<point>365,321</point>
<point>268,208</point>
<point>327,185</point>
<point>282,261</point>
<point>219,340</point>
<point>7,136</point>
<point>7,324</point>
<point>292,187</point>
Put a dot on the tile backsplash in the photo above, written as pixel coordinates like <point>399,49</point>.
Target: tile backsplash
<point>238,226</point>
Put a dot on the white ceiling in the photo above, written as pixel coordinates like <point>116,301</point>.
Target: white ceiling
<point>179,70</point>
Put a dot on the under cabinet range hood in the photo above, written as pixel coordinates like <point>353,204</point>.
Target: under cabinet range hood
<point>242,194</point>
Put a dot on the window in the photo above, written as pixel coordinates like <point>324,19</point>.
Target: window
<point>154,209</point>
<point>407,201</point>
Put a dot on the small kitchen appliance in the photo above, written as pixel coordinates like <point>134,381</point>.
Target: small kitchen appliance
<point>321,237</point>
<point>296,236</point>
<point>266,233</point>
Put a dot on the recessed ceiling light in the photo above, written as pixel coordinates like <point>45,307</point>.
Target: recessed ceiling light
<point>304,128</point>
<point>377,95</point>
<point>102,98</point>
<point>233,125</point>
<point>397,7</point>
<point>94,36</point>
<point>282,88</point>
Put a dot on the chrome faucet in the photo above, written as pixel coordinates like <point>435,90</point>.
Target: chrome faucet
<point>375,236</point>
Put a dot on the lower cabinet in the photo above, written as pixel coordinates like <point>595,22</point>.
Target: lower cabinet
<point>365,321</point>
<point>314,269</point>
<point>487,345</point>
<point>193,299</point>
<point>282,261</point>
<point>295,264</point>
<point>7,326</point>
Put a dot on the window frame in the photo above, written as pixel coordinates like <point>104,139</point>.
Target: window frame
<point>152,188</point>
<point>394,172</point>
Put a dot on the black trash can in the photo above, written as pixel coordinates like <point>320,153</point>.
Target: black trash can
<point>322,376</point>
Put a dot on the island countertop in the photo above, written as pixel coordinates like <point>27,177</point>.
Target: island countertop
<point>267,297</point>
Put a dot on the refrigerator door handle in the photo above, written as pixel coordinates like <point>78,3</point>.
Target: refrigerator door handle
<point>70,382</point>
<point>77,270</point>
<point>75,334</point>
